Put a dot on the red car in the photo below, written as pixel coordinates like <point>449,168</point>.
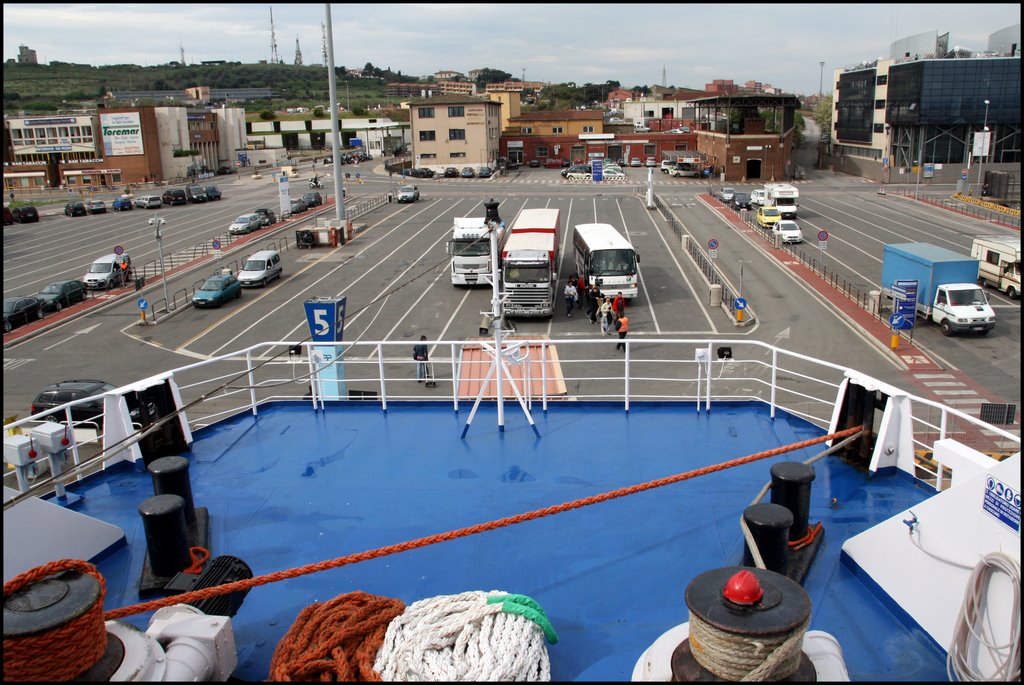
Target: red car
<point>552,163</point>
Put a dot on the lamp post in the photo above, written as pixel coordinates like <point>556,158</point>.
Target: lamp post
<point>158,223</point>
<point>984,152</point>
<point>771,161</point>
<point>821,77</point>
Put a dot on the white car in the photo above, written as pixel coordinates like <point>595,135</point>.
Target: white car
<point>667,165</point>
<point>613,174</point>
<point>788,230</point>
<point>149,202</point>
<point>578,175</point>
<point>247,223</point>
<point>757,197</point>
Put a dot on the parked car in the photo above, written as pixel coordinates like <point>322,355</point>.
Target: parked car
<point>511,165</point>
<point>740,201</point>
<point>667,165</point>
<point>534,163</point>
<point>149,202</point>
<point>651,161</point>
<point>96,206</point>
<point>424,172</point>
<point>757,196</point>
<point>576,170</point>
<point>246,223</point>
<point>60,294</point>
<point>8,216</point>
<point>485,172</point>
<point>174,196</point>
<point>768,216</point>
<point>56,394</point>
<point>195,194</point>
<point>467,172</point>
<point>451,172</point>
<point>313,199</point>
<point>408,194</point>
<point>224,170</point>
<point>25,215</point>
<point>613,174</point>
<point>298,205</point>
<point>216,290</point>
<point>267,217</point>
<point>21,310</point>
<point>75,209</point>
<point>553,163</point>
<point>725,194</point>
<point>788,230</point>
<point>123,204</point>
<point>212,193</point>
<point>635,161</point>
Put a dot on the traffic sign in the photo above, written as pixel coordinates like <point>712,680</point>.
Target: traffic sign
<point>143,304</point>
<point>118,250</point>
<point>216,244</point>
<point>740,303</point>
<point>713,254</point>
<point>823,235</point>
<point>900,323</point>
<point>326,318</point>
<point>713,244</point>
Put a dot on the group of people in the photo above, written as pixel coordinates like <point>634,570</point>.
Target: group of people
<point>611,311</point>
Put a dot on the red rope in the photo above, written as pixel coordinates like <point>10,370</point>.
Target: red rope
<point>812,532</point>
<point>199,556</point>
<point>249,583</point>
<point>69,649</point>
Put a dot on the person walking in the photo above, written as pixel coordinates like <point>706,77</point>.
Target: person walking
<point>571,295</point>
<point>592,306</point>
<point>619,304</point>
<point>622,325</point>
<point>581,288</point>
<point>605,312</point>
<point>419,353</point>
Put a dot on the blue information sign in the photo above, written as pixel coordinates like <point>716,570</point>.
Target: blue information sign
<point>906,300</point>
<point>597,170</point>
<point>143,305</point>
<point>740,303</point>
<point>326,318</point>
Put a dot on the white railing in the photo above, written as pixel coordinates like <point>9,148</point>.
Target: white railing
<point>650,370</point>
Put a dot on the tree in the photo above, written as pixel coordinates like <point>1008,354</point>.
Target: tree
<point>488,75</point>
<point>318,112</point>
<point>822,113</point>
<point>267,115</point>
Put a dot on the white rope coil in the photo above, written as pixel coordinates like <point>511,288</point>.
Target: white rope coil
<point>741,657</point>
<point>462,638</point>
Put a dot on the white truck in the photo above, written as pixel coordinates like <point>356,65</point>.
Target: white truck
<point>784,197</point>
<point>529,263</point>
<point>470,249</point>
<point>998,262</point>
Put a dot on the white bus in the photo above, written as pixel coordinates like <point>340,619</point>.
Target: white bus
<point>605,258</point>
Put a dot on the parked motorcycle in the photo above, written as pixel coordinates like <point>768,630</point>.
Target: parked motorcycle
<point>315,183</point>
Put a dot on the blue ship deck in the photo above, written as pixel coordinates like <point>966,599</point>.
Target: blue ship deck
<point>291,486</point>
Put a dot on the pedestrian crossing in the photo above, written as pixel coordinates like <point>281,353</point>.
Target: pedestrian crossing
<point>10,364</point>
<point>658,182</point>
<point>949,389</point>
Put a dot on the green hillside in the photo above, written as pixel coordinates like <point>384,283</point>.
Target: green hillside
<point>60,85</point>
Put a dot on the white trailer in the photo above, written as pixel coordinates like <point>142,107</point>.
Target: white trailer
<point>785,198</point>
<point>998,262</point>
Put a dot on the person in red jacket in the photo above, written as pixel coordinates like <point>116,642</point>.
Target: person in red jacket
<point>619,304</point>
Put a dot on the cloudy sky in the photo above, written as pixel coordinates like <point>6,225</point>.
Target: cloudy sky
<point>632,43</point>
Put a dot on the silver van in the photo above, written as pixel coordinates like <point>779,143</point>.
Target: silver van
<point>108,272</point>
<point>260,268</point>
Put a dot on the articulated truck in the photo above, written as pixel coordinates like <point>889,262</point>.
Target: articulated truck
<point>529,263</point>
<point>470,248</point>
<point>947,290</point>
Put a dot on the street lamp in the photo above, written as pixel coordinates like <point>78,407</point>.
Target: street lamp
<point>984,152</point>
<point>158,222</point>
<point>821,77</point>
<point>771,161</point>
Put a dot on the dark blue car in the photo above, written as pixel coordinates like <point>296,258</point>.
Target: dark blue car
<point>216,290</point>
<point>122,204</point>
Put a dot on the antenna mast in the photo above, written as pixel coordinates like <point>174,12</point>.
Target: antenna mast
<point>323,42</point>
<point>298,52</point>
<point>274,57</point>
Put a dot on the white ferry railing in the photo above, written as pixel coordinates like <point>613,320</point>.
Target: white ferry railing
<point>651,370</point>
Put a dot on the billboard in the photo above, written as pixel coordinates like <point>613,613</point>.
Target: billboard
<point>122,133</point>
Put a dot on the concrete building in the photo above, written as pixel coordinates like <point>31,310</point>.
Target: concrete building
<point>26,55</point>
<point>114,146</point>
<point>455,130</point>
<point>511,106</point>
<point>920,116</point>
<point>378,136</point>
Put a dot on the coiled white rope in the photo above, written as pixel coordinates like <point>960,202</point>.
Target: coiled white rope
<point>475,635</point>
<point>741,657</point>
<point>974,623</point>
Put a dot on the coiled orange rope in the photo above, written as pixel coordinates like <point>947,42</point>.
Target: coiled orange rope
<point>69,649</point>
<point>335,640</point>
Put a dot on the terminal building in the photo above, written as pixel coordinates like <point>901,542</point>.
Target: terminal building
<point>931,113</point>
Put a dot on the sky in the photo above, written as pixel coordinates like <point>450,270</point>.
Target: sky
<point>685,45</point>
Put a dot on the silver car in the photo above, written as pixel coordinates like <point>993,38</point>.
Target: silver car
<point>726,194</point>
<point>247,223</point>
<point>408,194</point>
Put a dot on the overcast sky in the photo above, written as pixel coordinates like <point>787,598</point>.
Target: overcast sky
<point>631,43</point>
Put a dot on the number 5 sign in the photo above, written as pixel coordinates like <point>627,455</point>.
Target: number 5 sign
<point>326,318</point>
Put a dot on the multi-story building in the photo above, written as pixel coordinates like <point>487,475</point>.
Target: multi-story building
<point>455,130</point>
<point>922,115</point>
<point>112,146</point>
<point>376,135</point>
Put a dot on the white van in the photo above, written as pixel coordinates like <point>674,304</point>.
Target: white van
<point>260,268</point>
<point>108,272</point>
<point>640,127</point>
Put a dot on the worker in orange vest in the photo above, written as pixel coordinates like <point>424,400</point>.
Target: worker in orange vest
<point>622,326</point>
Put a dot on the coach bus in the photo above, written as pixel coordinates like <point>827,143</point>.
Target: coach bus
<point>605,258</point>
